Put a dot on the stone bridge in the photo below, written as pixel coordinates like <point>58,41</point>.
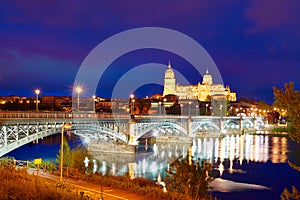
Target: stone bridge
<point>20,128</point>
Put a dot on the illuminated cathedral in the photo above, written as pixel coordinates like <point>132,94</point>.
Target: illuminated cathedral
<point>202,91</point>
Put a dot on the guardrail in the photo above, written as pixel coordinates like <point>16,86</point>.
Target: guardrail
<point>68,172</point>
<point>56,115</point>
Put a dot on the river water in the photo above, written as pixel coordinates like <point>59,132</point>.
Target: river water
<point>246,167</point>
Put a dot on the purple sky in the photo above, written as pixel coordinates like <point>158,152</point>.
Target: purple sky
<point>255,44</point>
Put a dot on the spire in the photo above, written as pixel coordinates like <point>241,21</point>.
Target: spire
<point>207,71</point>
<point>169,65</point>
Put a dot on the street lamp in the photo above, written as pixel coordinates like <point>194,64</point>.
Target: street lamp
<point>190,108</point>
<point>65,126</point>
<point>37,92</point>
<point>197,109</point>
<point>132,100</point>
<point>78,90</point>
<point>165,100</point>
<point>206,105</point>
<point>159,107</point>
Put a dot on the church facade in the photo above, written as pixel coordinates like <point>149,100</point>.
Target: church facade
<point>204,91</point>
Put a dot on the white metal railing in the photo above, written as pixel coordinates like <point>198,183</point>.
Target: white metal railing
<point>56,115</point>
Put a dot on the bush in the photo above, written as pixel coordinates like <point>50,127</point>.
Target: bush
<point>18,184</point>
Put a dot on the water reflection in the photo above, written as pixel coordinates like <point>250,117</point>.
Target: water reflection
<point>155,158</point>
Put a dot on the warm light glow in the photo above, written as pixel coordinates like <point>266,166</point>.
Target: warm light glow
<point>132,96</point>
<point>37,91</point>
<point>78,89</point>
<point>67,126</point>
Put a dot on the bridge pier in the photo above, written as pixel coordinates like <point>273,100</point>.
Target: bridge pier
<point>189,126</point>
<point>241,123</point>
<point>132,130</point>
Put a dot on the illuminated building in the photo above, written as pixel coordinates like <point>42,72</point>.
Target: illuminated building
<point>202,91</point>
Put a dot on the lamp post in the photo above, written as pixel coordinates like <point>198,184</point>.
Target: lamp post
<point>94,103</point>
<point>37,92</point>
<point>197,109</point>
<point>206,105</point>
<point>65,126</point>
<point>159,107</point>
<point>132,100</point>
<point>78,90</point>
<point>165,100</point>
<point>190,108</point>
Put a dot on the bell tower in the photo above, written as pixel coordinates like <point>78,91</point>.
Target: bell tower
<point>169,81</point>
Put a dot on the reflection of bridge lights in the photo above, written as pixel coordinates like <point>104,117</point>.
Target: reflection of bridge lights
<point>86,140</point>
<point>95,166</point>
<point>113,168</point>
<point>155,149</point>
<point>221,168</point>
<point>144,165</point>
<point>86,162</point>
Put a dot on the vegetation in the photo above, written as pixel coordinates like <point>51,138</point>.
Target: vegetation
<point>138,185</point>
<point>289,99</point>
<point>74,158</point>
<point>18,184</point>
<point>190,178</point>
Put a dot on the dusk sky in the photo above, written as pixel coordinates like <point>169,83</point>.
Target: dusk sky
<point>255,44</point>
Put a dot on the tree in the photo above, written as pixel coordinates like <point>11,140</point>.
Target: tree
<point>189,177</point>
<point>67,156</point>
<point>289,99</point>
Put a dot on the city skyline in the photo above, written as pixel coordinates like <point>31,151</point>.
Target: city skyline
<point>254,44</point>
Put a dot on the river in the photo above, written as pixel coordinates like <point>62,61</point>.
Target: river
<point>246,167</point>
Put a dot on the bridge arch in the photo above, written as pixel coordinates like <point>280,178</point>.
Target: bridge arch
<point>259,122</point>
<point>206,124</point>
<point>231,124</point>
<point>143,129</point>
<point>248,123</point>
<point>14,136</point>
<point>97,130</point>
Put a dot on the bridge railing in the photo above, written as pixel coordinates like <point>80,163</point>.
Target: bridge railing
<point>55,115</point>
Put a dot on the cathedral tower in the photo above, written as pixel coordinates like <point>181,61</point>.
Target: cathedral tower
<point>207,78</point>
<point>169,81</point>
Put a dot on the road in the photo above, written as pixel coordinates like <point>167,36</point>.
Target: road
<point>93,190</point>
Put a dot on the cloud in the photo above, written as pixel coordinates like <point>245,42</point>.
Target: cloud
<point>265,15</point>
<point>27,70</point>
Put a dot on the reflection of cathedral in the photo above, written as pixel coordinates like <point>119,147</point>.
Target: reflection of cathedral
<point>201,92</point>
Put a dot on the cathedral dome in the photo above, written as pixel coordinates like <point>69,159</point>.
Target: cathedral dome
<point>169,74</point>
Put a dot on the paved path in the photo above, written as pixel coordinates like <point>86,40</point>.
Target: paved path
<point>94,190</point>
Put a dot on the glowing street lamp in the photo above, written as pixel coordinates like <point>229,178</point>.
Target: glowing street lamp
<point>78,90</point>
<point>206,105</point>
<point>65,126</point>
<point>37,92</point>
<point>132,100</point>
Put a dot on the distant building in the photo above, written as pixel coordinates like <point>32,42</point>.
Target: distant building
<point>56,102</point>
<point>12,99</point>
<point>202,91</point>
